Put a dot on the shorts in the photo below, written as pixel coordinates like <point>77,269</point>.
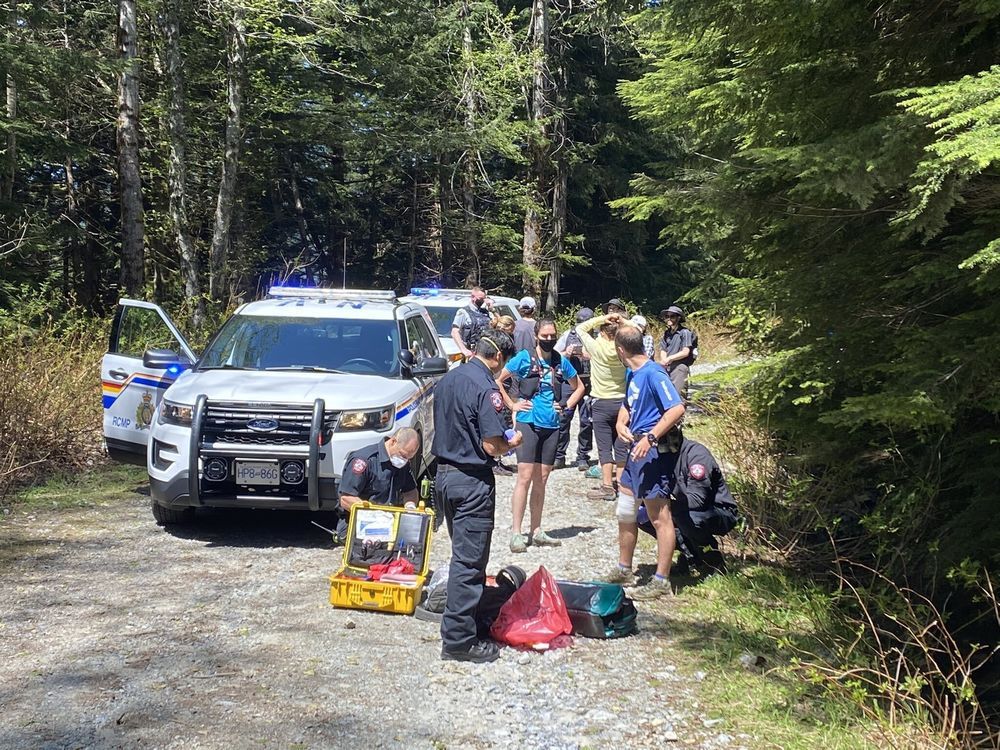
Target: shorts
<point>679,378</point>
<point>604,414</point>
<point>539,444</point>
<point>650,477</point>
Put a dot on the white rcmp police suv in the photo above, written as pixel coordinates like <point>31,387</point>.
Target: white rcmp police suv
<point>442,304</point>
<point>283,392</point>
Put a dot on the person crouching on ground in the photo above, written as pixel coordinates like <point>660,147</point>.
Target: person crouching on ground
<point>650,410</point>
<point>540,373</point>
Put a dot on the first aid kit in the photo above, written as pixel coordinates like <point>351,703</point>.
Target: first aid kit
<point>386,557</point>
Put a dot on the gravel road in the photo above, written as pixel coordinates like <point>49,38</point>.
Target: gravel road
<point>118,633</point>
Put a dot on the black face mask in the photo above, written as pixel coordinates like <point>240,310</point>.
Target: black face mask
<point>546,346</point>
<point>479,302</point>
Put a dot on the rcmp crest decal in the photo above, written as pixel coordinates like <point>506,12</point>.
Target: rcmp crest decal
<point>144,412</point>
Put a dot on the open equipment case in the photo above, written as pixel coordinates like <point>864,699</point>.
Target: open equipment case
<point>379,534</point>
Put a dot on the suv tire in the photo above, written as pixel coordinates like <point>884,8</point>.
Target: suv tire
<point>165,516</point>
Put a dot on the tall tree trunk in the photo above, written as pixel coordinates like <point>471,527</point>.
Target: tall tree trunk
<point>474,272</point>
<point>414,240</point>
<point>559,190</point>
<point>533,247</point>
<point>71,248</point>
<point>177,174</point>
<point>10,168</point>
<point>129,181</point>
<point>236,45</point>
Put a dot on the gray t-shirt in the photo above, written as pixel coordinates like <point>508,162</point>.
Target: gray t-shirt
<point>524,334</point>
<point>674,342</point>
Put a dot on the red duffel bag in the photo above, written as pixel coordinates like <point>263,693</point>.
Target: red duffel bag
<point>535,614</point>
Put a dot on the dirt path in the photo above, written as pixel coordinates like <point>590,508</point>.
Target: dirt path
<point>117,633</point>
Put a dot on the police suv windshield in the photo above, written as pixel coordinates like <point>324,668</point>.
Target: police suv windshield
<point>442,318</point>
<point>253,342</point>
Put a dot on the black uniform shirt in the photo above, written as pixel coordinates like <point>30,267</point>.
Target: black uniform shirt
<point>700,483</point>
<point>468,408</point>
<point>370,475</point>
<point>674,342</point>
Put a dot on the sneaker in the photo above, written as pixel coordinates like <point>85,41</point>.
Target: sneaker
<point>604,492</point>
<point>480,652</point>
<point>519,543</point>
<point>594,472</point>
<point>582,465</point>
<point>560,463</point>
<point>541,539</point>
<point>502,470</point>
<point>656,589</point>
<point>621,575</point>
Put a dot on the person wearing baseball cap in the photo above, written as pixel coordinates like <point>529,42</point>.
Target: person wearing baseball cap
<point>524,329</point>
<point>678,349</point>
<point>639,322</point>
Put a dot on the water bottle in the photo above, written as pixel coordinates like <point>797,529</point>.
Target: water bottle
<point>425,489</point>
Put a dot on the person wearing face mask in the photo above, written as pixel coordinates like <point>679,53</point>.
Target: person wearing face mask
<point>471,436</point>
<point>541,372</point>
<point>470,322</point>
<point>380,473</point>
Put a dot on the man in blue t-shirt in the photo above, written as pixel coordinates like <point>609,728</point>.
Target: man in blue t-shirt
<point>650,410</point>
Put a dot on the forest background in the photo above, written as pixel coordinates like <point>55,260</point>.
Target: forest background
<point>819,178</point>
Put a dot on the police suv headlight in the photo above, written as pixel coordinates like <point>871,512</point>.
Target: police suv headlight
<point>376,419</point>
<point>178,414</point>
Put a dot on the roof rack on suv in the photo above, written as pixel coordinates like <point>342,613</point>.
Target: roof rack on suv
<point>320,293</point>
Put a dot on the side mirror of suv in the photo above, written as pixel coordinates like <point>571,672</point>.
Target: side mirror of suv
<point>406,361</point>
<point>431,366</point>
<point>161,359</point>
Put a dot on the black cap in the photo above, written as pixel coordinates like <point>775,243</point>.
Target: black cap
<point>584,314</point>
<point>613,302</point>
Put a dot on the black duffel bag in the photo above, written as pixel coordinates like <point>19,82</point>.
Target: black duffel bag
<point>598,610</point>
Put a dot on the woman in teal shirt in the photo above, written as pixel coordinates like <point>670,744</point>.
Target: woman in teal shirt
<point>540,372</point>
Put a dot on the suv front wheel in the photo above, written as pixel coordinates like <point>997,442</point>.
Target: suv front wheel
<point>165,516</point>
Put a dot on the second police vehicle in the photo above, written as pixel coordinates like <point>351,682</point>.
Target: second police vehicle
<point>442,304</point>
<point>266,415</point>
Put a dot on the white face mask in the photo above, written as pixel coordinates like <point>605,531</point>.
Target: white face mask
<point>398,461</point>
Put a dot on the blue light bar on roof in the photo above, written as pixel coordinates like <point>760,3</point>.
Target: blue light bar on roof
<point>279,292</point>
<point>425,291</point>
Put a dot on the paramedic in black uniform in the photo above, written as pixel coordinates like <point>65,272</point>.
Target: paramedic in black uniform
<point>381,473</point>
<point>702,509</point>
<point>468,413</point>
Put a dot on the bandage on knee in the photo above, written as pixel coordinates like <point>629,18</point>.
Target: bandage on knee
<point>627,508</point>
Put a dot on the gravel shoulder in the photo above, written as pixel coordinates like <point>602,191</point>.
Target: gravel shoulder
<point>118,633</point>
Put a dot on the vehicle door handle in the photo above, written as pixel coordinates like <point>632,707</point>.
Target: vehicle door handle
<point>118,374</point>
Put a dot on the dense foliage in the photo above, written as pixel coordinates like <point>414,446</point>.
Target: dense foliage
<point>391,143</point>
<point>836,162</point>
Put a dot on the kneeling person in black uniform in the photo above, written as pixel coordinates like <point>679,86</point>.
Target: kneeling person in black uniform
<point>468,412</point>
<point>702,509</point>
<point>380,473</point>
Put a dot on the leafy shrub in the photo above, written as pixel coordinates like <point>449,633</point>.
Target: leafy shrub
<point>50,413</point>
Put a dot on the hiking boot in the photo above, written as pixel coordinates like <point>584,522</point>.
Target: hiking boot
<point>657,588</point>
<point>541,539</point>
<point>480,652</point>
<point>594,472</point>
<point>621,575</point>
<point>519,543</point>
<point>582,465</point>
<point>502,470</point>
<point>604,492</point>
<point>560,463</point>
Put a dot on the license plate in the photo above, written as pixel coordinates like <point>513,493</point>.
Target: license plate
<point>257,472</point>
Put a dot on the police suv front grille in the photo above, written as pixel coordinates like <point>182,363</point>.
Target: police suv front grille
<point>264,424</point>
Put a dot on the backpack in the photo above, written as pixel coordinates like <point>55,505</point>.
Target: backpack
<point>529,386</point>
<point>472,330</point>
